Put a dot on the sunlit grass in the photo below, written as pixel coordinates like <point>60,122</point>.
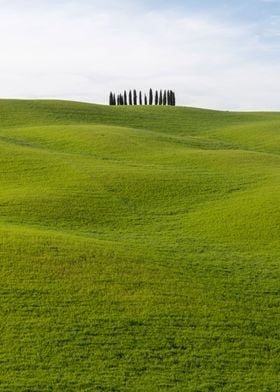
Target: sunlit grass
<point>139,248</point>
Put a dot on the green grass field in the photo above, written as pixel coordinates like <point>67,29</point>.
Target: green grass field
<point>139,248</point>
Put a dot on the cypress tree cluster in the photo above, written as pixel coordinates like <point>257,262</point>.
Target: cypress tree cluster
<point>161,98</point>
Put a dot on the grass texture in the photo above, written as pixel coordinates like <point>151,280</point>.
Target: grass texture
<point>139,248</point>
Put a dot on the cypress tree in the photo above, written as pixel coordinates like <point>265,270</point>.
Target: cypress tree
<point>151,98</point>
<point>168,97</point>
<point>125,98</point>
<point>121,100</point>
<point>130,98</point>
<point>164,98</point>
<point>134,97</point>
<point>146,100</point>
<point>160,98</point>
<point>156,98</point>
<point>140,98</point>
<point>174,99</point>
<point>111,99</point>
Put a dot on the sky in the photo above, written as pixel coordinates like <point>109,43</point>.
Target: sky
<point>216,54</point>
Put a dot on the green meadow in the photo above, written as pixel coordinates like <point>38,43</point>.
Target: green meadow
<point>139,248</point>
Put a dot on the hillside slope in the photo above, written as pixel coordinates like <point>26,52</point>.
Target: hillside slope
<point>139,248</point>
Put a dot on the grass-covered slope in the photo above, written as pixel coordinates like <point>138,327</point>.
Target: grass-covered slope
<point>139,248</point>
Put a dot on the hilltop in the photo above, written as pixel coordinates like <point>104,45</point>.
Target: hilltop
<point>139,248</point>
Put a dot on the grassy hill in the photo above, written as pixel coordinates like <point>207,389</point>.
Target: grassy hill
<point>139,248</point>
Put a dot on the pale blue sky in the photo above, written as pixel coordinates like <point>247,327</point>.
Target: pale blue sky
<point>216,54</point>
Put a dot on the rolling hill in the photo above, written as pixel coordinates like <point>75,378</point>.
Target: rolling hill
<point>139,248</point>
